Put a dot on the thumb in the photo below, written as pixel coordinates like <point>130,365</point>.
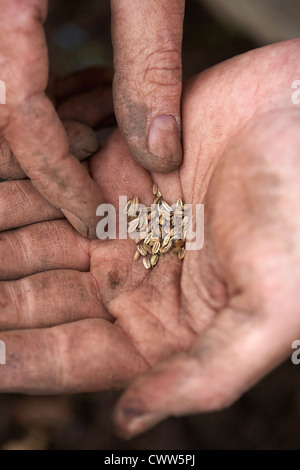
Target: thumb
<point>147,39</point>
<point>228,359</point>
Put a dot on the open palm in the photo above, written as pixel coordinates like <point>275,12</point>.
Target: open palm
<point>80,315</point>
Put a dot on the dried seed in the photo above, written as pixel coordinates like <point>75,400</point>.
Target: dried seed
<point>168,247</point>
<point>154,260</point>
<point>141,250</point>
<point>154,212</point>
<point>179,243</point>
<point>131,210</point>
<point>178,212</point>
<point>166,206</point>
<point>143,235</point>
<point>136,201</point>
<point>166,228</point>
<point>156,247</point>
<point>126,208</point>
<point>172,232</point>
<point>148,238</point>
<point>166,215</point>
<point>148,249</point>
<point>146,263</point>
<point>166,240</point>
<point>136,255</point>
<point>133,225</point>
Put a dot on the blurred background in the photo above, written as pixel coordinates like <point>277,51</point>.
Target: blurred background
<point>266,417</point>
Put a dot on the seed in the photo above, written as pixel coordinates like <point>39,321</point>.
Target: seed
<point>160,228</point>
<point>126,208</point>
<point>143,235</point>
<point>154,260</point>
<point>141,250</point>
<point>131,210</point>
<point>179,243</point>
<point>148,249</point>
<point>178,212</point>
<point>148,238</point>
<point>146,263</point>
<point>153,241</point>
<point>156,247</point>
<point>168,247</point>
<point>166,215</point>
<point>154,213</point>
<point>166,240</point>
<point>166,206</point>
<point>133,225</point>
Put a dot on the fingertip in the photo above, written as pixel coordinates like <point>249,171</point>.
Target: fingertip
<point>131,420</point>
<point>164,150</point>
<point>86,228</point>
<point>83,141</point>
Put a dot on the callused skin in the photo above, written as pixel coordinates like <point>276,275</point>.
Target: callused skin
<point>186,337</point>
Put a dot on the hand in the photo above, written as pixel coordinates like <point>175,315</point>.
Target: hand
<point>147,43</point>
<point>80,315</point>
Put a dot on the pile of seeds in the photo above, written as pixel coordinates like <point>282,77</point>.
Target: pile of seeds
<point>161,229</point>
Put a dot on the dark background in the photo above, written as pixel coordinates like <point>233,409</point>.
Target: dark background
<point>266,417</point>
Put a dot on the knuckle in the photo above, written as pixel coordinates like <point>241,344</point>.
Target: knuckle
<point>163,68</point>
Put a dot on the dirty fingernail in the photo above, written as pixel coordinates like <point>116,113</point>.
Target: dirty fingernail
<point>164,140</point>
<point>78,224</point>
<point>130,426</point>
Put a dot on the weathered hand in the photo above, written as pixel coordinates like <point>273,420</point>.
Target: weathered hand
<point>147,45</point>
<point>191,337</point>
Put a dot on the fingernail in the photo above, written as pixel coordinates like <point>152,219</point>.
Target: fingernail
<point>130,423</point>
<point>80,226</point>
<point>164,140</point>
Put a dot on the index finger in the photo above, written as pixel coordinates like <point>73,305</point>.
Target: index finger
<point>29,121</point>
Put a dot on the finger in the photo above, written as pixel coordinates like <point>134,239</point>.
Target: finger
<point>79,82</point>
<point>147,39</point>
<point>42,247</point>
<point>49,299</point>
<point>84,356</point>
<point>21,204</point>
<point>29,121</point>
<point>93,108</point>
<point>226,361</point>
<point>83,143</point>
